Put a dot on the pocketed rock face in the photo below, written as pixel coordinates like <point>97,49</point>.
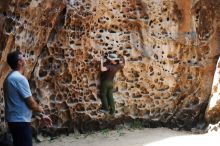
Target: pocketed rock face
<point>213,110</point>
<point>169,47</point>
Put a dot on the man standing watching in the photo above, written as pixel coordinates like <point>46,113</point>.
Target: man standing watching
<point>19,102</point>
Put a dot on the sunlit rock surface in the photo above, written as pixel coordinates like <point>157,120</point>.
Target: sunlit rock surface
<point>212,114</point>
<point>170,46</point>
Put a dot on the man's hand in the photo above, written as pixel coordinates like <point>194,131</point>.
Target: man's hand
<point>46,120</point>
<point>41,109</point>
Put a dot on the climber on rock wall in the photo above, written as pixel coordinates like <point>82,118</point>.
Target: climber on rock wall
<point>19,102</point>
<point>108,71</point>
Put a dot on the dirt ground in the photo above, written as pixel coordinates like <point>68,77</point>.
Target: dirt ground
<point>138,137</point>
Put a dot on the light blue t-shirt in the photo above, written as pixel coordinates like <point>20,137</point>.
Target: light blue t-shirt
<point>16,91</point>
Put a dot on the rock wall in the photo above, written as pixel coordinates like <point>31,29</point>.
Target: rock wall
<point>170,48</point>
<point>212,112</point>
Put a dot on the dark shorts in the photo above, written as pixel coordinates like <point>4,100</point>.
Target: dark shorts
<point>21,133</point>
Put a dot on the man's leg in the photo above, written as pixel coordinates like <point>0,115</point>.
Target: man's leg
<point>21,133</point>
<point>111,100</point>
<point>104,96</point>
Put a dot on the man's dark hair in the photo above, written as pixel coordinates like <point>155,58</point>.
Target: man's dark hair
<point>12,59</point>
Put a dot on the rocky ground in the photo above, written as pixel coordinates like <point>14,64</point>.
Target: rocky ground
<point>136,137</point>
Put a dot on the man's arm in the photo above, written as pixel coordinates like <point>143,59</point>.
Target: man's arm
<point>33,105</point>
<point>25,92</point>
<point>103,68</point>
<point>122,62</point>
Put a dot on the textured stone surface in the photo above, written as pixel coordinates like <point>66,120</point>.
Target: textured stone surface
<point>170,48</point>
<point>212,114</point>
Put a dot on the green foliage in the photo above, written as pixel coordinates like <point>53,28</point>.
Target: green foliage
<point>136,125</point>
<point>105,132</point>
